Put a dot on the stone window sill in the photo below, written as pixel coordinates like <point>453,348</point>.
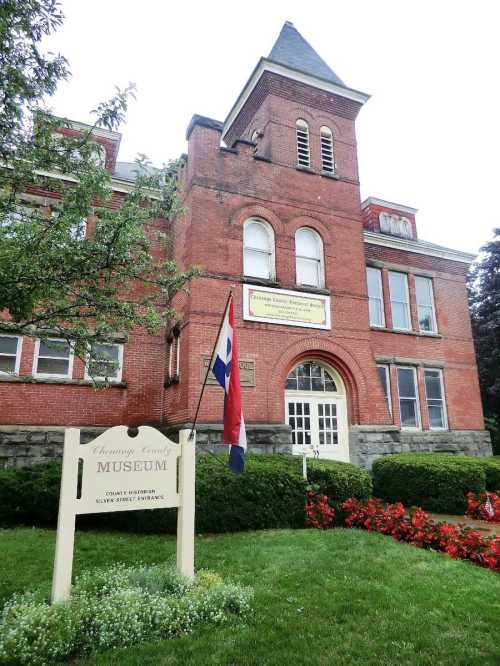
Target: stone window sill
<point>53,380</point>
<point>311,290</point>
<point>329,174</point>
<point>384,329</point>
<point>305,169</point>
<point>263,282</point>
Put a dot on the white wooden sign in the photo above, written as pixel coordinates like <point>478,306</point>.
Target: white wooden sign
<point>123,473</point>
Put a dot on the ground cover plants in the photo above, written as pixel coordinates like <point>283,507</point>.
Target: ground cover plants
<point>114,607</point>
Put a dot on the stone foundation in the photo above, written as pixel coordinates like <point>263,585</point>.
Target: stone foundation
<point>28,445</point>
<point>367,443</point>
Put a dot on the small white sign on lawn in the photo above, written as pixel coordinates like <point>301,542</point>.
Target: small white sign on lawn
<point>123,473</point>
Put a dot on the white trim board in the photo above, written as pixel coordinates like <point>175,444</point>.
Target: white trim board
<point>266,65</point>
<point>418,247</point>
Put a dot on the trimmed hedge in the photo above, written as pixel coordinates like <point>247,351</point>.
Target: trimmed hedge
<point>434,481</point>
<point>270,494</point>
<point>492,471</point>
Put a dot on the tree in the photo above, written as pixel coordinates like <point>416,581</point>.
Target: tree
<point>56,278</point>
<point>484,290</point>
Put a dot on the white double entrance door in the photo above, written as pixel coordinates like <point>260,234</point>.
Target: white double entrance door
<point>318,422</point>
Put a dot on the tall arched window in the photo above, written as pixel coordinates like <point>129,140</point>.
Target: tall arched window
<point>303,152</point>
<point>309,258</point>
<point>327,158</point>
<point>258,249</point>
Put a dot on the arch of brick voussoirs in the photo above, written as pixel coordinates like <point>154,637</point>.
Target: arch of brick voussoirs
<point>330,353</point>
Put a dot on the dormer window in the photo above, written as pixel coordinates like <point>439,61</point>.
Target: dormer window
<point>395,225</point>
<point>327,159</point>
<point>303,152</point>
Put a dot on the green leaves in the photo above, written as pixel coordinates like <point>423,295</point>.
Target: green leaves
<point>77,260</point>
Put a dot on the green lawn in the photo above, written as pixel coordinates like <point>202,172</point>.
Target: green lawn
<point>330,598</point>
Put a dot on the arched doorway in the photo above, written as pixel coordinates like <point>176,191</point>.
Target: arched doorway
<point>316,410</point>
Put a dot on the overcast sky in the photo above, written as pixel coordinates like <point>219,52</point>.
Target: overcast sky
<point>429,137</point>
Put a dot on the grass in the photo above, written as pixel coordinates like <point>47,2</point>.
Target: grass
<point>326,598</point>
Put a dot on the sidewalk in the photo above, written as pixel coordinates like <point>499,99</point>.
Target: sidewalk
<point>488,529</point>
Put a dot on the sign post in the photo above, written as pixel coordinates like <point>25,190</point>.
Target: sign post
<point>123,473</point>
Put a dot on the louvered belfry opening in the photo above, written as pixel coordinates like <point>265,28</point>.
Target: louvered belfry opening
<point>303,152</point>
<point>327,159</point>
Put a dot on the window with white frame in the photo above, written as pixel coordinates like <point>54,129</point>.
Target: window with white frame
<point>303,152</point>
<point>327,158</point>
<point>10,354</point>
<point>309,258</point>
<point>400,302</point>
<point>434,393</point>
<point>258,249</point>
<point>408,398</point>
<point>425,305</point>
<point>384,376</point>
<point>53,358</point>
<point>375,296</point>
<point>106,363</point>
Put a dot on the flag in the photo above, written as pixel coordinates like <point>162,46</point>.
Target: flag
<point>226,369</point>
<point>488,507</point>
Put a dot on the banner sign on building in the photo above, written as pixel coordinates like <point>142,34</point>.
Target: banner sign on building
<point>291,308</point>
<point>122,472</point>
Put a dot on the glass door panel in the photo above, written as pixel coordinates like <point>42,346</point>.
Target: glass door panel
<point>327,424</point>
<point>299,419</point>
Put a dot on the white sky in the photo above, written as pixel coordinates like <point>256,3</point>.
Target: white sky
<point>429,137</point>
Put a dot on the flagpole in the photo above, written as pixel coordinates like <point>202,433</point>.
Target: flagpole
<point>210,364</point>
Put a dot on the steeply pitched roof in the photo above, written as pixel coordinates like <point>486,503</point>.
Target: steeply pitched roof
<point>292,50</point>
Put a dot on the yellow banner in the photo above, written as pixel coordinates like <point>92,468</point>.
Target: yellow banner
<point>303,310</point>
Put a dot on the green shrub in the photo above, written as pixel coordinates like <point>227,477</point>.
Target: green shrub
<point>119,609</point>
<point>434,481</point>
<point>270,494</point>
<point>492,471</point>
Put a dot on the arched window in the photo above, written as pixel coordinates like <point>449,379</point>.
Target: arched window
<point>309,258</point>
<point>258,249</point>
<point>310,376</point>
<point>303,152</point>
<point>327,158</point>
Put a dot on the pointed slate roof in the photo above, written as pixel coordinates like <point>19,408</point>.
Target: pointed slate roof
<point>292,50</point>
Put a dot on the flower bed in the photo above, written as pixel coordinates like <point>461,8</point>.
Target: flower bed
<point>484,506</point>
<point>417,528</point>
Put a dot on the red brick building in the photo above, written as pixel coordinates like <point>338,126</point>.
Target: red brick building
<point>354,334</point>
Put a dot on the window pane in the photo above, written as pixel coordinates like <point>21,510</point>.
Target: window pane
<point>374,283</point>
<point>433,385</point>
<point>7,363</point>
<point>397,283</point>
<point>406,382</point>
<point>400,316</point>
<point>375,309</point>
<point>52,366</point>
<point>8,345</point>
<point>54,349</point>
<point>425,318</point>
<point>257,237</point>
<point>307,272</point>
<point>307,244</point>
<point>408,410</point>
<point>423,288</point>
<point>106,363</point>
<point>382,373</point>
<point>436,416</point>
<point>257,264</point>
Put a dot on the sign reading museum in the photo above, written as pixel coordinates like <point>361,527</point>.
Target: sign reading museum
<point>292,308</point>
